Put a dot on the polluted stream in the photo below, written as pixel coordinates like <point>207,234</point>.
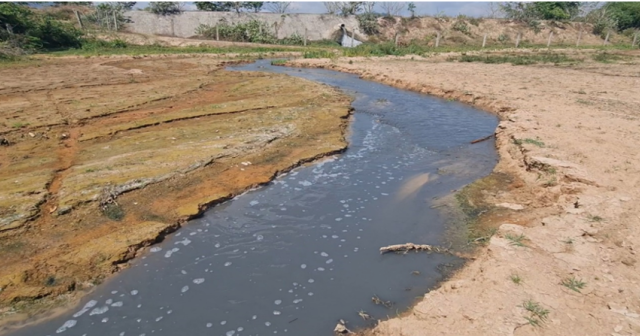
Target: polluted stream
<point>296,256</point>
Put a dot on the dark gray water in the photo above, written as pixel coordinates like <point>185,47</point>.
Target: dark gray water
<point>297,255</point>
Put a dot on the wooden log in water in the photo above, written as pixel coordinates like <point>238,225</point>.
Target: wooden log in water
<point>410,247</point>
<point>481,139</point>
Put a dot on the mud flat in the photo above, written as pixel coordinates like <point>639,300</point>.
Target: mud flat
<point>562,202</point>
<point>101,157</point>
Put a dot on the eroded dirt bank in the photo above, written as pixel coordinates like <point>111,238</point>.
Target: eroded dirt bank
<point>564,258</point>
<point>102,157</point>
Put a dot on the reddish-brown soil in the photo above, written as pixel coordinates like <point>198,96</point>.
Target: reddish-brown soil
<point>101,157</point>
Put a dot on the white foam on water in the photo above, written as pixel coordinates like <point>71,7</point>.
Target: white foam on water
<point>311,281</point>
<point>99,311</point>
<point>170,252</point>
<point>183,272</point>
<point>66,325</point>
<point>277,302</point>
<point>109,301</point>
<point>223,322</point>
<point>305,183</point>
<point>117,304</point>
<point>259,237</point>
<point>105,320</point>
<point>155,249</point>
<point>310,294</point>
<point>184,241</point>
<point>303,266</point>
<point>86,308</point>
<point>228,263</point>
<point>267,323</point>
<point>252,203</point>
<point>230,332</point>
<point>114,292</point>
<point>320,269</point>
<point>275,312</point>
<point>240,329</point>
<point>198,281</point>
<point>329,261</point>
<point>338,219</point>
<point>254,317</point>
<point>334,237</point>
<point>296,301</point>
<point>159,318</point>
<point>324,254</point>
<point>209,325</point>
<point>184,289</point>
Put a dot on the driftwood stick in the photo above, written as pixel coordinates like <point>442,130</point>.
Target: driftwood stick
<point>481,139</point>
<point>411,246</point>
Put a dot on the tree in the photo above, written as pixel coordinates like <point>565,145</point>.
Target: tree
<point>254,6</point>
<point>164,8</point>
<point>278,7</point>
<point>392,8</point>
<point>344,8</point>
<point>528,11</point>
<point>494,10</point>
<point>412,8</point>
<point>213,6</point>
<point>626,14</point>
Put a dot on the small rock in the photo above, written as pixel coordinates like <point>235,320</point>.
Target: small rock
<point>628,261</point>
<point>618,328</point>
<point>32,135</point>
<point>511,206</point>
<point>4,142</point>
<point>64,136</point>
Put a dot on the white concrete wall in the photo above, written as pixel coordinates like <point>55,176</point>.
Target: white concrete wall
<point>319,26</point>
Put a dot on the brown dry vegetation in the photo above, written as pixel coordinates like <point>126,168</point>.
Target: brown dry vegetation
<point>463,30</point>
<point>562,202</point>
<point>101,157</point>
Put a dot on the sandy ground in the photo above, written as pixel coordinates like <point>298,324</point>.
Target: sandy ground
<point>101,157</point>
<point>564,259</point>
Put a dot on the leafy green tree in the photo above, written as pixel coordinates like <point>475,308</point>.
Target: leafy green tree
<point>164,8</point>
<point>626,14</point>
<point>529,11</point>
<point>412,8</point>
<point>214,6</point>
<point>30,31</point>
<point>254,6</point>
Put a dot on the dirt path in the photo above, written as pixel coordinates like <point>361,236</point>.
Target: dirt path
<point>101,158</point>
<point>563,260</point>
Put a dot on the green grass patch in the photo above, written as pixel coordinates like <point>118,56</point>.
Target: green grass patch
<point>319,54</point>
<point>605,57</point>
<point>530,141</point>
<point>555,58</point>
<point>280,62</point>
<point>118,47</point>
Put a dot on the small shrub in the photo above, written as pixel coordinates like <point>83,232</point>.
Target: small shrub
<point>516,279</point>
<point>462,27</point>
<point>537,314</point>
<point>368,22</point>
<point>516,240</point>
<point>573,284</point>
<point>535,26</point>
<point>253,31</point>
<point>113,211</point>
